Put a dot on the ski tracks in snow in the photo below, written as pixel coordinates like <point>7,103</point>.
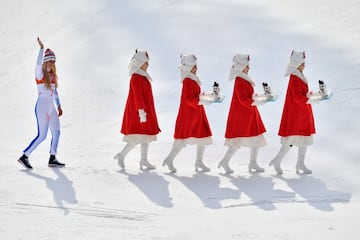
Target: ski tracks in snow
<point>82,209</point>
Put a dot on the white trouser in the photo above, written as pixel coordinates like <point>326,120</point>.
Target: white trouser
<point>47,117</point>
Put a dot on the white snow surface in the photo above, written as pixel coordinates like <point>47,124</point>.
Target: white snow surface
<point>94,41</point>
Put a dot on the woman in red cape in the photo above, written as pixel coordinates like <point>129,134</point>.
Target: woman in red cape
<point>140,124</point>
<point>192,126</point>
<point>244,125</point>
<point>297,122</point>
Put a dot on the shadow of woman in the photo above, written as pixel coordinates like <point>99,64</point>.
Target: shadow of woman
<point>153,186</point>
<point>61,187</point>
<point>261,191</point>
<point>207,189</point>
<point>316,193</point>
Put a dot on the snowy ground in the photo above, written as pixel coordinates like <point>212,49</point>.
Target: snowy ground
<point>92,199</point>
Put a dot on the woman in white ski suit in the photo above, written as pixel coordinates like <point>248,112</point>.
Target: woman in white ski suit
<point>47,115</point>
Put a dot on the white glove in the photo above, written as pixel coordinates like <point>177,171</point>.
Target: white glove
<point>205,99</point>
<point>313,97</point>
<point>142,115</point>
<point>204,102</point>
<point>258,100</point>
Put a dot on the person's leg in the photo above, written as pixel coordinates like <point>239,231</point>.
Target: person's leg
<point>199,164</point>
<point>173,153</point>
<point>54,124</point>
<point>144,157</point>
<point>279,157</point>
<point>253,158</point>
<point>224,163</point>
<point>42,119</point>
<point>121,155</point>
<point>300,165</point>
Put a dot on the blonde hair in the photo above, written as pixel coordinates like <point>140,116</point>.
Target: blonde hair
<point>47,76</point>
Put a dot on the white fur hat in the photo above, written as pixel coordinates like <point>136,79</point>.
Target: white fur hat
<point>240,61</point>
<point>188,60</point>
<point>296,59</point>
<point>139,58</point>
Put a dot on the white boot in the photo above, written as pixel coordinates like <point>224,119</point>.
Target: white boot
<point>144,156</point>
<point>121,155</point>
<point>279,157</point>
<point>300,165</point>
<point>199,164</point>
<point>147,164</point>
<point>224,163</point>
<point>170,158</point>
<point>253,164</point>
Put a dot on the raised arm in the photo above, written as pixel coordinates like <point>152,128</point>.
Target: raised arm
<point>38,69</point>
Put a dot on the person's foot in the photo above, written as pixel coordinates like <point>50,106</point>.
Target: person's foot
<point>24,160</point>
<point>53,162</point>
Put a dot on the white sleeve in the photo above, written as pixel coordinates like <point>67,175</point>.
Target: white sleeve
<point>56,98</point>
<point>38,69</point>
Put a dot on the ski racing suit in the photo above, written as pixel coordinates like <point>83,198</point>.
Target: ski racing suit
<point>45,111</point>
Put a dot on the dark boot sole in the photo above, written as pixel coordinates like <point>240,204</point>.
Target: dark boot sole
<point>55,166</point>
<point>23,164</point>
